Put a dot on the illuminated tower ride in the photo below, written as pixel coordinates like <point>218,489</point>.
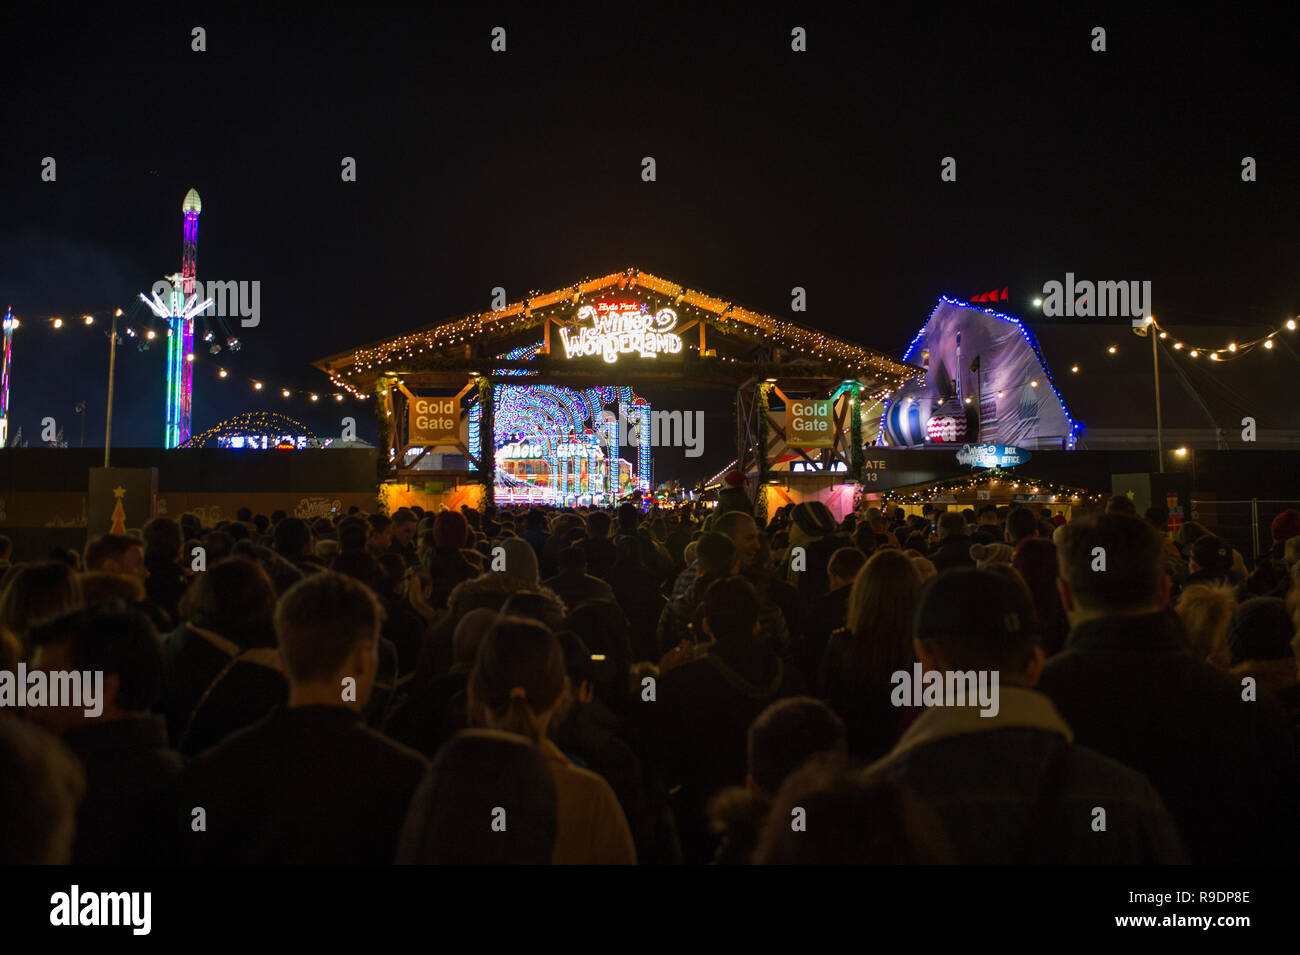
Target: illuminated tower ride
<point>9,323</point>
<point>180,313</point>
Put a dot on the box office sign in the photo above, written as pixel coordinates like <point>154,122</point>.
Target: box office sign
<point>810,424</point>
<point>434,421</point>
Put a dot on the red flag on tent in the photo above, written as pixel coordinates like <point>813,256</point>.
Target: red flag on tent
<point>1004,295</point>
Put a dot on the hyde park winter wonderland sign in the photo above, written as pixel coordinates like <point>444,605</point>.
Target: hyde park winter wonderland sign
<point>622,328</point>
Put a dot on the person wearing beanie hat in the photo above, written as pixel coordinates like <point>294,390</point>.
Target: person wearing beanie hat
<point>1286,525</point>
<point>1211,561</point>
<point>986,554</point>
<point>446,564</point>
<point>813,529</point>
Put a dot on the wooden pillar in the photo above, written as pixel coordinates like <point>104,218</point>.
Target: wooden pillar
<point>856,458</point>
<point>487,441</point>
<point>761,430</point>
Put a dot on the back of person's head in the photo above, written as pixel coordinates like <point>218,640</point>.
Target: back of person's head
<point>951,524</point>
<point>293,537</point>
<point>731,611</point>
<point>41,788</point>
<point>1121,504</point>
<point>987,555</point>
<point>1261,630</point>
<point>1213,555</point>
<point>379,523</point>
<point>789,733</point>
<point>1021,524</point>
<point>540,605</point>
<point>715,554</point>
<point>1133,557</point>
<point>320,622</point>
<point>261,522</point>
<point>478,777</point>
<point>218,544</point>
<point>99,586</point>
<point>978,620</point>
<point>845,563</point>
<point>629,516</point>
<point>469,634</point>
<point>1206,613</point>
<point>925,568</point>
<point>39,592</point>
<point>390,578</point>
<point>6,548</point>
<point>850,819</point>
<point>518,675</point>
<point>114,640</point>
<point>1158,517</point>
<point>598,523</point>
<point>234,597</point>
<point>162,539</point>
<point>357,564</point>
<point>1286,525</point>
<point>884,594</point>
<point>244,514</point>
<point>353,532</point>
<point>521,560</point>
<point>573,559</point>
<point>107,548</point>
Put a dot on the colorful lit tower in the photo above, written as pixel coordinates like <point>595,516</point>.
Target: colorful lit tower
<point>180,340</point>
<point>9,323</point>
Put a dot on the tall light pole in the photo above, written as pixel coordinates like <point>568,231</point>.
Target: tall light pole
<point>112,367</point>
<point>1148,327</point>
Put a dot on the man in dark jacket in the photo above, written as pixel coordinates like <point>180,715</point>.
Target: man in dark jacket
<point>823,617</point>
<point>953,549</point>
<point>812,528</point>
<point>705,707</point>
<point>131,772</point>
<point>1222,758</point>
<point>1001,770</point>
<point>310,783</point>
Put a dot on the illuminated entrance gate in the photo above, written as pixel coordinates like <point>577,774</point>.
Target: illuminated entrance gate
<point>481,400</point>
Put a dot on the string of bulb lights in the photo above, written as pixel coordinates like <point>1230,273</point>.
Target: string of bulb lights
<point>1227,352</point>
<point>145,335</point>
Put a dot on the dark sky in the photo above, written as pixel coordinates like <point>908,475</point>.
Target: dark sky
<point>522,169</point>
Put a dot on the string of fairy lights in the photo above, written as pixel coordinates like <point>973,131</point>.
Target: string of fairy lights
<point>1228,351</point>
<point>144,334</point>
<point>1046,492</point>
<point>536,308</point>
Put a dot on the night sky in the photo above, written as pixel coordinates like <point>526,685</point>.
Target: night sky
<point>523,169</point>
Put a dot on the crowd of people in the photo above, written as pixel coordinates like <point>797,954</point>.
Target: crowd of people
<point>690,685</point>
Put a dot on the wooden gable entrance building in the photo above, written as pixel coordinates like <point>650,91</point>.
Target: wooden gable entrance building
<point>798,392</point>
